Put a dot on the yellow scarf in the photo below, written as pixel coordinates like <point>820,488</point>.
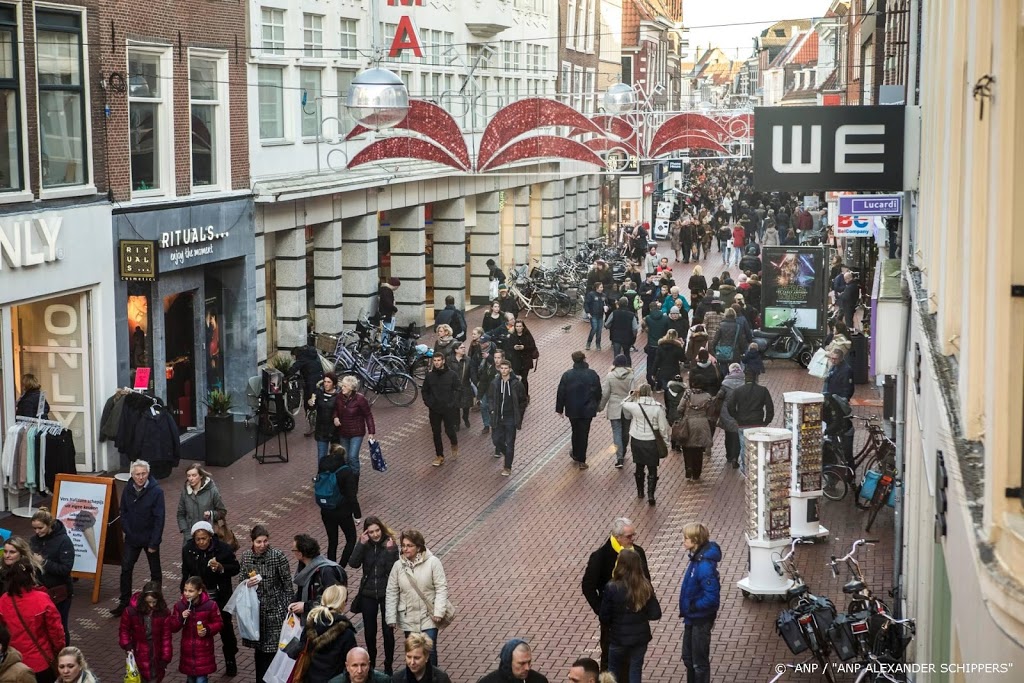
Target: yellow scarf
<point>616,546</point>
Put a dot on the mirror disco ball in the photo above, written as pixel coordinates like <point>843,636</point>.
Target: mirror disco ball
<point>619,98</point>
<point>377,99</point>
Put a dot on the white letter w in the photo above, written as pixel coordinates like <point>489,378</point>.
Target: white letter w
<point>796,164</point>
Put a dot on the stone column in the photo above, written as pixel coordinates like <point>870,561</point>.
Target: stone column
<point>552,222</point>
<point>450,252</point>
<point>569,215</point>
<point>408,263</point>
<point>594,206</point>
<point>484,243</point>
<point>327,284</point>
<point>290,288</point>
<point>359,263</point>
<point>521,219</point>
<point>582,208</point>
<point>261,299</point>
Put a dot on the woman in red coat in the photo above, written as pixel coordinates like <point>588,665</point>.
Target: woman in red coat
<point>199,618</point>
<point>152,653</point>
<point>33,620</point>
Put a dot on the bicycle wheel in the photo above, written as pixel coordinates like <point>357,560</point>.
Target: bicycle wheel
<point>833,484</point>
<point>400,389</point>
<point>563,307</point>
<point>877,503</point>
<point>543,306</point>
<point>420,369</point>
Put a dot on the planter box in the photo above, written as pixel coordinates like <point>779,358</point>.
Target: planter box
<point>226,440</point>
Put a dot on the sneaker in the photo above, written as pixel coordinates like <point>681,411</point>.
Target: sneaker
<point>618,464</point>
<point>498,454</point>
<point>485,430</point>
<point>584,466</point>
<point>455,450</point>
<point>586,349</point>
<point>438,461</point>
<point>505,472</point>
<point>357,521</point>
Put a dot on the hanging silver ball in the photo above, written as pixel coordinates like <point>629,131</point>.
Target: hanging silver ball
<point>619,98</point>
<point>377,99</point>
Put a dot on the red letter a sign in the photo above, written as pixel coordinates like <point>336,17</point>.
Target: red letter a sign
<point>405,39</point>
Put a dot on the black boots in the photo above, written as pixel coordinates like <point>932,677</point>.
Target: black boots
<point>231,668</point>
<point>652,484</point>
<point>639,485</point>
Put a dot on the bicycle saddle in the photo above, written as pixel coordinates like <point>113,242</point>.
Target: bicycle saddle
<point>796,591</point>
<point>853,586</point>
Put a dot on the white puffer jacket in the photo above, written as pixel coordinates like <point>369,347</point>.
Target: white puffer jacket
<point>403,606</point>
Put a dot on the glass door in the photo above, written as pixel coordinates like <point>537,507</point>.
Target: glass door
<point>180,357</point>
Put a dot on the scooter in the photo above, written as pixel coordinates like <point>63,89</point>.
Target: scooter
<point>787,345</point>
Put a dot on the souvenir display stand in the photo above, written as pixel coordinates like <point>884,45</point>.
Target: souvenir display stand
<point>803,419</point>
<point>768,455</point>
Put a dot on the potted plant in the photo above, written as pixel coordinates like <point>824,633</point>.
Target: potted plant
<point>281,362</point>
<point>220,446</point>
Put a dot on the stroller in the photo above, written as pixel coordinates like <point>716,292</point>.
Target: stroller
<point>266,400</point>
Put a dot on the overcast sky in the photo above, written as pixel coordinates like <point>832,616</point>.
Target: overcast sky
<point>697,13</point>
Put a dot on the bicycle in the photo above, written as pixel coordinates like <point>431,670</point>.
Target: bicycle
<point>877,667</point>
<point>378,379</point>
<point>539,303</point>
<point>804,624</point>
<point>884,486</point>
<point>837,474</point>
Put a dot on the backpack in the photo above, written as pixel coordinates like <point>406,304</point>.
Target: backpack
<point>327,490</point>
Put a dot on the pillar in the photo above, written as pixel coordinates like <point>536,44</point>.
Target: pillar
<point>582,208</point>
<point>450,252</point>
<point>484,243</point>
<point>327,284</point>
<point>551,222</point>
<point>569,215</point>
<point>594,206</point>
<point>261,299</point>
<point>290,288</point>
<point>521,218</point>
<point>359,263</point>
<point>408,263</point>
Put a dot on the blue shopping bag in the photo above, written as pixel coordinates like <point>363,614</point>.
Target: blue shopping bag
<point>376,457</point>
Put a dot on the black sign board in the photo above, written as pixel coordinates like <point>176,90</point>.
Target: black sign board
<point>137,259</point>
<point>675,165</point>
<point>804,149</point>
<point>794,285</point>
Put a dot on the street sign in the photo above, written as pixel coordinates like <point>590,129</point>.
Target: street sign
<point>854,226</point>
<point>675,165</point>
<point>871,205</point>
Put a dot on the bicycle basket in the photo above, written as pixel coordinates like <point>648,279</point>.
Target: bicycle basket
<point>840,635</point>
<point>787,626</point>
<point>326,343</point>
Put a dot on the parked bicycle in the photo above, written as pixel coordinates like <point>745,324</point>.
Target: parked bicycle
<point>804,624</point>
<point>839,472</point>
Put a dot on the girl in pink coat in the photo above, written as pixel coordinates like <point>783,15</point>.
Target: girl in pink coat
<point>198,617</point>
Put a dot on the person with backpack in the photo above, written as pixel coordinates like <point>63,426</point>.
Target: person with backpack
<point>314,573</point>
<point>453,318</point>
<point>731,340</point>
<point>335,492</point>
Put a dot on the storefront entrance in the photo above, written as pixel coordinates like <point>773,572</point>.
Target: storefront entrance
<point>180,354</point>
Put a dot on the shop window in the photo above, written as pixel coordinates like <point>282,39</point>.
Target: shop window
<point>61,80</point>
<point>207,77</point>
<point>271,103</point>
<point>10,97</point>
<point>50,341</point>
<point>140,341</point>
<point>149,120</point>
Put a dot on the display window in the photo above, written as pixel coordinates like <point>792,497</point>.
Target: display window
<point>51,338</point>
<point>140,341</point>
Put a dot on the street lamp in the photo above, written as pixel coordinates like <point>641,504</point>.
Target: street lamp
<point>377,99</point>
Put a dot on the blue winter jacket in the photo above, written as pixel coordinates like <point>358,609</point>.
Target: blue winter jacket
<point>142,515</point>
<point>699,596</point>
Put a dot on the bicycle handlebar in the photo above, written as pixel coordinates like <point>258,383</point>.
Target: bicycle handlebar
<point>850,555</point>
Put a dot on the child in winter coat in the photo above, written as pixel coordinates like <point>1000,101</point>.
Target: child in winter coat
<point>199,618</point>
<point>752,361</point>
<point>146,630</point>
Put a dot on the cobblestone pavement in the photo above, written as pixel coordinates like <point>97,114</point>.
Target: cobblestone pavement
<point>514,548</point>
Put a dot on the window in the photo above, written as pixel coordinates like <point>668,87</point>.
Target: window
<point>348,40</point>
<point>148,120</point>
<point>271,103</point>
<point>209,121</point>
<point>273,31</point>
<point>312,35</point>
<point>62,107</point>
<point>346,124</point>
<point>566,85</point>
<point>512,50</point>
<point>449,54</point>
<point>10,107</point>
<point>570,25</point>
<point>309,81</point>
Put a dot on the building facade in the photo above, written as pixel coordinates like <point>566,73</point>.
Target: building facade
<point>579,53</point>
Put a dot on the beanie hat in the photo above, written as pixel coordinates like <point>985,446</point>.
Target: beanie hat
<point>742,278</point>
<point>674,309</point>
<point>621,361</point>
<point>394,282</point>
<point>501,287</point>
<point>202,526</point>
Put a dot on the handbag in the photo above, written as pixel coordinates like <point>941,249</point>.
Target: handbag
<point>659,440</point>
<point>131,670</point>
<point>725,352</point>
<point>357,600</point>
<point>51,660</point>
<point>58,593</point>
<point>225,534</point>
<point>376,457</point>
<point>449,608</point>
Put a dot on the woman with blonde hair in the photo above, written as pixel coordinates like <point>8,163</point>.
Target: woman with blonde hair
<point>329,635</point>
<point>17,551</point>
<point>628,606</point>
<point>417,592</point>
<point>446,340</point>
<point>646,415</point>
<point>353,419</point>
<point>53,549</point>
<point>72,667</point>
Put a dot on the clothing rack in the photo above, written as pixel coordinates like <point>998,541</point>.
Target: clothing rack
<point>51,427</point>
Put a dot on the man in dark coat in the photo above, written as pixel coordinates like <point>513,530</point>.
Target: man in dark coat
<point>452,317</point>
<point>599,573</point>
<point>442,394</point>
<point>386,307</point>
<point>848,298</point>
<point>839,380</point>
<point>515,664</point>
<point>579,393</point>
<point>506,399</point>
<point>622,328</point>
<point>656,325</point>
<point>750,406</point>
<point>142,521</point>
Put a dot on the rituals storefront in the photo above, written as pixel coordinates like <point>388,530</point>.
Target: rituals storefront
<point>185,303</point>
<point>56,312</point>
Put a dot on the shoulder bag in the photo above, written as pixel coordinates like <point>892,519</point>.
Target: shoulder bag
<point>51,659</point>
<point>449,608</point>
<point>726,352</point>
<point>659,440</point>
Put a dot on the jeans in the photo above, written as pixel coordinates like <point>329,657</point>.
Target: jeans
<point>128,560</point>
<point>450,419</point>
<point>596,325</point>
<point>652,353</point>
<point>197,679</point>
<point>621,349</point>
<point>65,611</point>
<point>485,409</point>
<point>697,651</point>
<point>352,444</point>
<point>333,519</point>
<point>371,608</point>
<point>322,447</point>
<point>724,248</point>
<point>620,444</point>
<point>732,446</point>
<point>503,434</point>
<point>580,437</point>
<point>620,657</point>
<point>432,634</point>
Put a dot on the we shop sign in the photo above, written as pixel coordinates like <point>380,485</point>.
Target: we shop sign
<point>855,226</point>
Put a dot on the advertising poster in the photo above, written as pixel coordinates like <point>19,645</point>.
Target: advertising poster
<point>795,286</point>
<point>661,220</point>
<point>82,505</point>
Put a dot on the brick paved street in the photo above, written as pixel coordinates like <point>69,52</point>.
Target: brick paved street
<point>514,548</point>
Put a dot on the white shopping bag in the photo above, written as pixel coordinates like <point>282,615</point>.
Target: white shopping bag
<point>245,605</point>
<point>818,367</point>
<point>492,289</point>
<point>281,666</point>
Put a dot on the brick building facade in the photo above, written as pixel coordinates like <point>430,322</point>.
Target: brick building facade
<point>579,52</point>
